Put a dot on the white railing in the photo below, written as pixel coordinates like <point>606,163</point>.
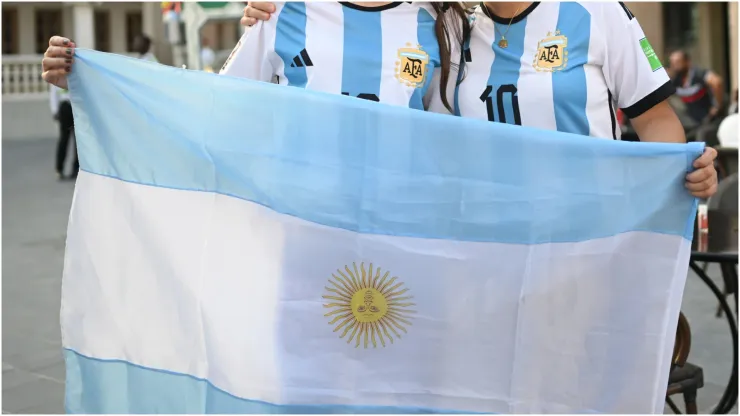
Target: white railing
<point>22,77</point>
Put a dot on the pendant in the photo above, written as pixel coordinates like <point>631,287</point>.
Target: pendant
<point>503,43</point>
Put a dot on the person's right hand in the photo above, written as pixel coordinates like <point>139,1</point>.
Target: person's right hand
<point>57,62</point>
<point>257,10</point>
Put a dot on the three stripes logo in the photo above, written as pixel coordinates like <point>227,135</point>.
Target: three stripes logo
<point>301,60</point>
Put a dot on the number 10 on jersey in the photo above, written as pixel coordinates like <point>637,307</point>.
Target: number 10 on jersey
<point>507,90</point>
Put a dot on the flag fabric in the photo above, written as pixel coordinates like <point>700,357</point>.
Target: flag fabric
<point>243,247</point>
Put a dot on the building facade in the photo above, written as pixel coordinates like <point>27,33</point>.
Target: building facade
<point>708,31</point>
<point>105,26</point>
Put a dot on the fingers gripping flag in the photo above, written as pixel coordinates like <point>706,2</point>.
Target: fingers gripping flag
<point>241,247</point>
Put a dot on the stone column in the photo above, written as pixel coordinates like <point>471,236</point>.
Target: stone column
<point>26,29</point>
<point>733,44</point>
<point>68,24</point>
<point>711,43</point>
<point>117,28</point>
<point>650,16</point>
<point>84,34</point>
<point>153,26</point>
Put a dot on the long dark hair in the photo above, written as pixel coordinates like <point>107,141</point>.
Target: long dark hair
<point>452,25</point>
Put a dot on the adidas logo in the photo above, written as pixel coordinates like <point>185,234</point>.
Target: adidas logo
<point>301,60</point>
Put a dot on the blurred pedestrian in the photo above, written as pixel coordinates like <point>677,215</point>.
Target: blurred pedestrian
<point>207,56</point>
<point>143,45</point>
<point>701,92</point>
<point>61,110</point>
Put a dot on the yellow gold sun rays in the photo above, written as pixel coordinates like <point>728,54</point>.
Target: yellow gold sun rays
<point>367,308</point>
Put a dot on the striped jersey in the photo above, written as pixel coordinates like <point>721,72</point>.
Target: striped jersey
<point>562,66</point>
<point>386,54</point>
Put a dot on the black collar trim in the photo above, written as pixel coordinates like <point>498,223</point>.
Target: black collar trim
<point>371,9</point>
<point>505,21</point>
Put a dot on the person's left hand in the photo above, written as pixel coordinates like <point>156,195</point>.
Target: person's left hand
<point>702,182</point>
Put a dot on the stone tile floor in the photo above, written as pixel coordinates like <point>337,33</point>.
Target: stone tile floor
<point>35,210</point>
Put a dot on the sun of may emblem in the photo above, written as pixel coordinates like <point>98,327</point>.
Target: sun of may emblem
<point>368,306</point>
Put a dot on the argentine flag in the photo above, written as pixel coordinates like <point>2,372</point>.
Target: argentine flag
<point>242,247</point>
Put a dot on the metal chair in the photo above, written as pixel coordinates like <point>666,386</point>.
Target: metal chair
<point>685,378</point>
<point>722,210</point>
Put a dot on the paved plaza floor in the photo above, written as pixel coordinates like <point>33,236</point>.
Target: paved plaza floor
<point>35,208</point>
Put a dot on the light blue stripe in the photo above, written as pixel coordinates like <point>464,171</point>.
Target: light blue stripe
<point>362,59</point>
<point>505,69</point>
<point>428,41</point>
<point>369,167</point>
<point>569,88</point>
<point>290,40</point>
<point>97,386</point>
<point>460,76</point>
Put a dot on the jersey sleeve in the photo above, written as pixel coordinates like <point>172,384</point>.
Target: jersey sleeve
<point>250,58</point>
<point>433,98</point>
<point>632,69</point>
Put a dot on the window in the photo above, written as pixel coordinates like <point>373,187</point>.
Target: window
<point>48,24</point>
<point>134,28</point>
<point>10,31</point>
<point>102,30</point>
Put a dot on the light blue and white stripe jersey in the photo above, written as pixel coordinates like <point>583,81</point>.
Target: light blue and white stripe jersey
<point>386,54</point>
<point>565,66</point>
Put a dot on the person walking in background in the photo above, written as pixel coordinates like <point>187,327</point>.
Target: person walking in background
<point>701,92</point>
<point>207,56</point>
<point>61,110</point>
<point>143,45</point>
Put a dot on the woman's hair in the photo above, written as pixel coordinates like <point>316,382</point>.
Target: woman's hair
<point>452,28</point>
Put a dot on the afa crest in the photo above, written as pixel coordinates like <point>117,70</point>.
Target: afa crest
<point>552,53</point>
<point>411,67</point>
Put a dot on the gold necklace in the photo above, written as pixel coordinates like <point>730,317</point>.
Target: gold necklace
<point>503,43</point>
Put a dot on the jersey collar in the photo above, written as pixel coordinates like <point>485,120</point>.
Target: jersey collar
<point>505,21</point>
<point>371,9</point>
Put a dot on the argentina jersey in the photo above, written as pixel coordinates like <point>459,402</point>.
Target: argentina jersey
<point>387,54</point>
<point>563,66</point>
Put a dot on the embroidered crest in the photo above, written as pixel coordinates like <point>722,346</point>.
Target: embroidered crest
<point>552,53</point>
<point>411,67</point>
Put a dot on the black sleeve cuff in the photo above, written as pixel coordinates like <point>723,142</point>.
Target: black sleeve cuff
<point>651,100</point>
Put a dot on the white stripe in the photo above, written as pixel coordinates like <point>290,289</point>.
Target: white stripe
<point>228,290</point>
<point>325,46</point>
<point>277,62</point>
<point>536,101</point>
<point>478,71</point>
<point>398,30</point>
<point>597,91</point>
<point>597,103</point>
